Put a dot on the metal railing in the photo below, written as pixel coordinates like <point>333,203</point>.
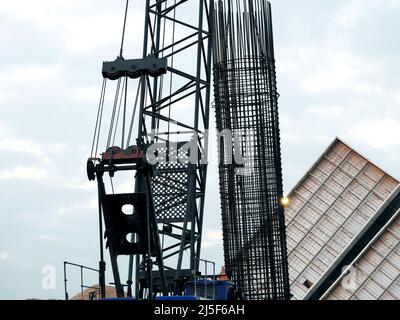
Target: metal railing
<point>196,278</point>
<point>83,286</point>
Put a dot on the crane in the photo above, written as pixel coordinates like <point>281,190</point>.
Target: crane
<point>158,224</point>
<point>166,162</point>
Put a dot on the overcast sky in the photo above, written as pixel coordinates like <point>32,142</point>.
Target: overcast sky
<point>338,75</point>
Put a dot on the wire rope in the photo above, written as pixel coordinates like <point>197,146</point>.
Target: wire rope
<point>99,114</point>
<point>123,29</point>
<point>113,114</point>
<point>118,113</point>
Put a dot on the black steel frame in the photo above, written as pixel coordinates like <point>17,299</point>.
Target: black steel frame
<point>246,101</point>
<point>83,286</point>
<point>154,123</point>
<point>174,191</point>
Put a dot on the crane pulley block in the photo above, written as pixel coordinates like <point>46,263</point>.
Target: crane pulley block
<point>121,156</point>
<point>134,68</point>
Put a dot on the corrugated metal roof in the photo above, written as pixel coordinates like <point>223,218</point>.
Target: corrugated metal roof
<point>329,207</point>
<point>357,247</point>
<point>374,274</point>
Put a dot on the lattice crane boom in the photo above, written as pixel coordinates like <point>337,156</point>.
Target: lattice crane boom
<point>171,115</point>
<point>166,166</point>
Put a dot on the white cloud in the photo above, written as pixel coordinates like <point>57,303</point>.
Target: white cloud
<point>378,134</point>
<point>33,74</point>
<point>325,112</point>
<point>17,81</point>
<point>84,206</point>
<point>337,70</point>
<point>45,152</point>
<point>348,16</point>
<point>89,94</point>
<point>93,203</point>
<point>212,238</point>
<point>4,255</point>
<point>319,69</point>
<point>298,137</point>
<point>81,183</point>
<point>19,145</point>
<point>86,33</point>
<point>64,211</point>
<point>332,65</point>
<point>24,173</point>
<point>45,237</point>
<point>80,26</point>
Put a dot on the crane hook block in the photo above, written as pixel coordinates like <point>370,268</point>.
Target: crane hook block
<point>134,68</point>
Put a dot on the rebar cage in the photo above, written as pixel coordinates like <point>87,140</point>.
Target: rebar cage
<point>246,106</point>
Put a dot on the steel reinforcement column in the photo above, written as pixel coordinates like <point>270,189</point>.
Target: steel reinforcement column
<point>247,120</point>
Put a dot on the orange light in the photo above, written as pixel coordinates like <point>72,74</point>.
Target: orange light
<point>285,201</point>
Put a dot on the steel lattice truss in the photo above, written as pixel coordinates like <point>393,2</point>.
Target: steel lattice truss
<point>246,105</point>
<point>162,235</point>
<point>178,187</point>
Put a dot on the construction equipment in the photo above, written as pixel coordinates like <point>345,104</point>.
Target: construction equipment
<point>251,191</point>
<point>169,190</point>
<point>207,290</point>
<point>161,217</point>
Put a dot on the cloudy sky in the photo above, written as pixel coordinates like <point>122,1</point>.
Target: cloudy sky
<point>338,75</point>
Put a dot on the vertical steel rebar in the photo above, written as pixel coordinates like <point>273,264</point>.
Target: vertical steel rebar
<point>246,104</point>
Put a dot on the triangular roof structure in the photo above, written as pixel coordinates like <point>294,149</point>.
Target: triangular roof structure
<point>337,200</point>
<point>369,268</point>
